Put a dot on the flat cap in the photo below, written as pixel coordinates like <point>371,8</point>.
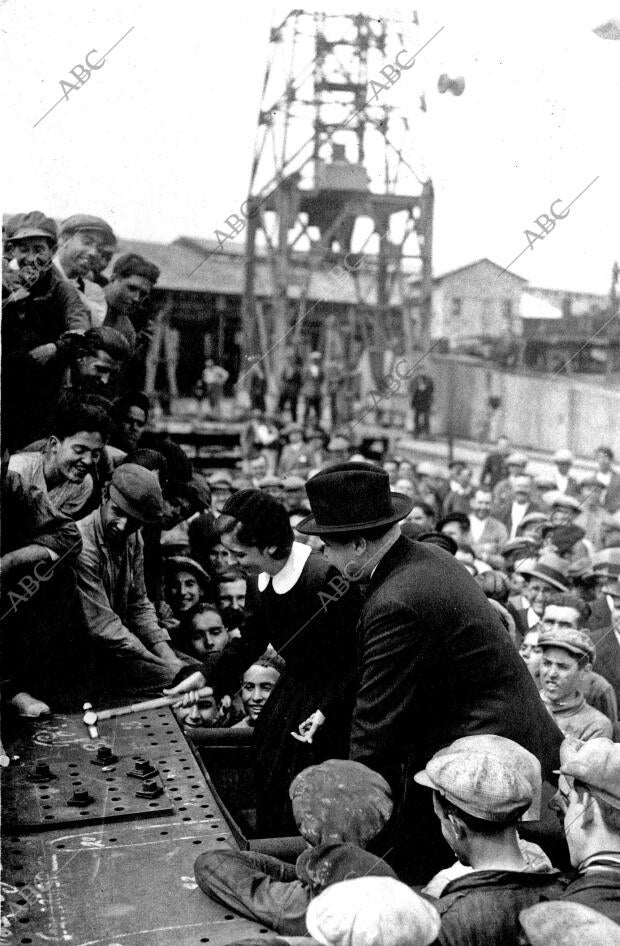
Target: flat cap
<point>79,222</point>
<point>544,481</point>
<point>522,545</point>
<point>516,459</point>
<point>534,517</point>
<point>607,563</point>
<point>137,491</point>
<point>372,911</point>
<point>595,763</point>
<point>292,483</point>
<point>460,517</point>
<point>270,482</point>
<point>426,468</point>
<point>183,563</point>
<point>565,923</point>
<point>338,443</point>
<point>31,224</point>
<point>558,500</point>
<point>486,783</point>
<point>340,800</point>
<point>574,641</point>
<point>563,456</point>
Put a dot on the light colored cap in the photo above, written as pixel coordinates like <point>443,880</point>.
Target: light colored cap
<point>482,782</point>
<point>514,755</point>
<point>560,500</point>
<point>426,468</point>
<point>564,923</point>
<point>563,456</point>
<point>220,478</point>
<point>607,563</point>
<point>516,459</point>
<point>574,641</point>
<point>372,911</point>
<point>596,763</point>
<point>550,567</point>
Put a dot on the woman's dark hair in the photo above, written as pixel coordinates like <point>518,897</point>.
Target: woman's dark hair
<point>88,412</point>
<point>277,533</point>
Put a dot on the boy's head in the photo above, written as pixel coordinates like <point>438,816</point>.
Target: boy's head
<point>231,589</point>
<point>479,790</point>
<point>31,238</point>
<point>79,432</point>
<point>340,801</point>
<point>202,713</point>
<point>208,634</point>
<point>567,655</point>
<point>257,683</point>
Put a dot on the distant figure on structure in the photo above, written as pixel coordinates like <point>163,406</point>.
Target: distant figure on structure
<point>312,388</point>
<point>214,377</point>
<point>421,392</point>
<point>290,384</point>
<point>257,388</point>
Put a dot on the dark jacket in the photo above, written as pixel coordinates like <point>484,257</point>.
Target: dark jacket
<point>607,661</point>
<point>29,391</point>
<point>482,909</point>
<point>599,889</point>
<point>436,664</point>
<point>612,494</point>
<point>494,470</point>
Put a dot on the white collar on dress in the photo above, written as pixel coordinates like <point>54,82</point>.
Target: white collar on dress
<point>289,574</point>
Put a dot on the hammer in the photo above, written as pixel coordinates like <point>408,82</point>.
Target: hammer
<point>91,718</point>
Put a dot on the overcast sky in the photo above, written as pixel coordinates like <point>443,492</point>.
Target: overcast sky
<point>160,139</point>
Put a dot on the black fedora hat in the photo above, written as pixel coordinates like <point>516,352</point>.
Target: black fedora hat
<point>346,497</point>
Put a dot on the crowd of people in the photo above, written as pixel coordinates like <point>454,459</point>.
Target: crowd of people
<point>416,656</point>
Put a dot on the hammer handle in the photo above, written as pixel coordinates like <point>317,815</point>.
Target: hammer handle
<point>148,705</point>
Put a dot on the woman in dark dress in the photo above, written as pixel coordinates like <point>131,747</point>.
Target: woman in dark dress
<point>307,611</point>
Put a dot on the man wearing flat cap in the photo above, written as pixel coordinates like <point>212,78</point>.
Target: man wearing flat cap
<point>41,318</point>
<point>567,657</point>
<point>81,240</point>
<point>481,788</point>
<point>434,662</point>
<point>589,799</point>
<point>134,651</point>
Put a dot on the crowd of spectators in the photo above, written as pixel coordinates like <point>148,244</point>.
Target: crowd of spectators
<point>126,571</point>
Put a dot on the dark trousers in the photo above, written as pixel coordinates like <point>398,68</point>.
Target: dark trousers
<point>290,400</point>
<point>314,403</point>
<point>422,420</point>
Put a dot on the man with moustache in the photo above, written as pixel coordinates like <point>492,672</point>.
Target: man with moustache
<point>434,662</point>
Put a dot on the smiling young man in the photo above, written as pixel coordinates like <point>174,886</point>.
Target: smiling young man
<point>41,314</point>
<point>82,237</point>
<point>133,280</point>
<point>63,468</point>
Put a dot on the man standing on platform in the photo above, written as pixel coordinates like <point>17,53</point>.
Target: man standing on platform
<point>434,662</point>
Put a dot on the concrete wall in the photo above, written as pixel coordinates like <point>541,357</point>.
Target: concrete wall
<point>542,413</point>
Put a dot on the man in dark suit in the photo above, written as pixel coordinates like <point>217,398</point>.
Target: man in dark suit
<point>434,661</point>
<point>495,469</point>
<point>514,509</point>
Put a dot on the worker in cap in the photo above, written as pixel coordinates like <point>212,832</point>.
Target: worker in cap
<point>43,318</point>
<point>372,911</point>
<point>568,653</point>
<point>339,806</point>
<point>504,491</point>
<point>82,238</point>
<point>588,799</point>
<point>221,483</point>
<point>564,482</point>
<point>564,508</point>
<point>295,454</point>
<point>481,789</point>
<point>133,649</point>
<point>560,923</point>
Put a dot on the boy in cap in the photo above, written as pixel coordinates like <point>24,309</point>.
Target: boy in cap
<point>589,799</point>
<point>567,657</point>
<point>40,313</point>
<point>481,790</point>
<point>82,238</point>
<point>110,576</point>
<point>338,807</point>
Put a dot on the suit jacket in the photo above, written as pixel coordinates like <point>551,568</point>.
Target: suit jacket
<point>435,664</point>
<point>612,494</point>
<point>494,470</point>
<point>607,661</point>
<point>494,533</point>
<point>504,512</point>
